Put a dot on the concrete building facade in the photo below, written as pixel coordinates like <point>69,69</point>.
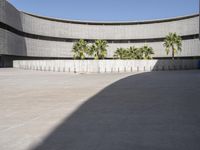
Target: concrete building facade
<point>27,36</point>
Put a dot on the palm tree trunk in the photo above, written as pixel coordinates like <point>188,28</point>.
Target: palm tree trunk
<point>173,52</point>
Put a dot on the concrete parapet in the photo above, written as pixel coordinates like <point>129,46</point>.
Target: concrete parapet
<point>106,66</point>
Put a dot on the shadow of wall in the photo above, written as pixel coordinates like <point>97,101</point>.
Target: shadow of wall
<point>177,64</point>
<point>148,111</point>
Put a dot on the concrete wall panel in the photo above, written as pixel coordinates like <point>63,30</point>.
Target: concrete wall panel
<point>58,29</point>
<point>106,66</point>
<point>15,44</point>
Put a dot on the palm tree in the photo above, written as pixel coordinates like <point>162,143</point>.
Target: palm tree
<point>134,53</point>
<point>120,53</point>
<point>98,49</point>
<point>80,48</point>
<point>173,42</point>
<point>146,52</point>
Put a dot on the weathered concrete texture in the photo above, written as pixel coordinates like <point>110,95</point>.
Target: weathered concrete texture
<point>106,66</point>
<point>12,44</point>
<point>59,111</point>
<point>2,32</point>
<point>59,29</point>
<point>63,49</point>
<point>2,9</point>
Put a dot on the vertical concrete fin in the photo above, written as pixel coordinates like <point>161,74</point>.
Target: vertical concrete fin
<point>2,10</point>
<point>2,32</point>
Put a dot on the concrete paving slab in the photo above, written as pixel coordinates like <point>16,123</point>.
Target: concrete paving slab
<point>60,111</point>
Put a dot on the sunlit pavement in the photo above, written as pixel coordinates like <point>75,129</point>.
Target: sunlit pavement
<point>35,106</point>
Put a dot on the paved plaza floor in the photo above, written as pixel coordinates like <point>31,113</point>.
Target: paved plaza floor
<point>138,111</point>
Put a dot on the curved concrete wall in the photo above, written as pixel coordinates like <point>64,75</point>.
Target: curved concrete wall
<point>40,26</point>
<point>16,27</point>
